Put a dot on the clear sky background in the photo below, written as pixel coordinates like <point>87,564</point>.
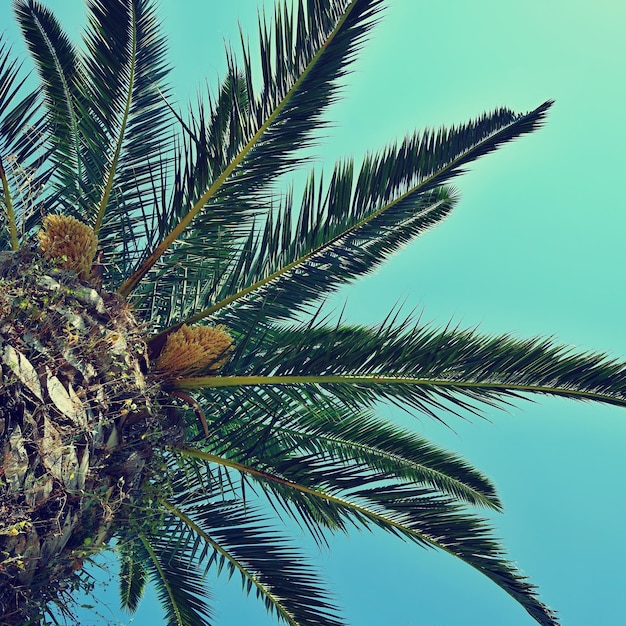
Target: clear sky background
<point>536,246</point>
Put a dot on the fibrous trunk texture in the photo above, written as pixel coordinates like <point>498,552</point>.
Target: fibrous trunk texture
<point>74,411</point>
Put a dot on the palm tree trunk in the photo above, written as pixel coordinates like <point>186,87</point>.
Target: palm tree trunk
<point>74,411</point>
<point>49,517</point>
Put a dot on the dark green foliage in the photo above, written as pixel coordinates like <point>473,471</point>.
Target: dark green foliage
<point>426,367</point>
<point>179,585</point>
<point>58,69</point>
<point>132,576</point>
<point>193,227</point>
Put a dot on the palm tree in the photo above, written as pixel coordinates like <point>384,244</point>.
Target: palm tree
<point>169,382</point>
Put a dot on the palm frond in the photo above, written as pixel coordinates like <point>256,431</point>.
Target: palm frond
<point>21,122</point>
<point>234,536</point>
<point>347,229</point>
<point>392,452</point>
<point>415,513</point>
<point>126,69</point>
<point>22,136</point>
<point>313,50</point>
<point>282,274</point>
<point>133,576</point>
<point>430,370</point>
<point>59,71</point>
<point>126,135</point>
<point>178,583</point>
<point>276,428</point>
<point>9,87</point>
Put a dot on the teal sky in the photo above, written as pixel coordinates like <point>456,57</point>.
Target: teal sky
<point>536,246</point>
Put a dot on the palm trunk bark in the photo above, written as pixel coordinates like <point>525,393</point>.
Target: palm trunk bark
<point>75,408</point>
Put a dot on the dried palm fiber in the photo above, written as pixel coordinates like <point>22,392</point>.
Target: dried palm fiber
<point>77,426</point>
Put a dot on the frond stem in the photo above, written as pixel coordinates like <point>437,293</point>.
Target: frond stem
<point>120,138</point>
<point>8,201</point>
<point>207,382</point>
<point>216,546</point>
<point>163,577</point>
<point>197,409</point>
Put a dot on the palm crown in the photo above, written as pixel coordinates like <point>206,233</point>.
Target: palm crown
<point>168,378</point>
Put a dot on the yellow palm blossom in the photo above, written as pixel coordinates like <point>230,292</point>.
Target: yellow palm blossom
<point>70,242</point>
<point>192,349</point>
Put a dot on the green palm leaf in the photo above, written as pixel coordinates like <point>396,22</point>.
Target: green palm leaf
<point>60,75</point>
<point>428,369</point>
<point>234,536</point>
<point>133,577</point>
<point>416,513</point>
<point>9,87</point>
<point>129,137</point>
<point>275,429</point>
<point>394,453</point>
<point>312,51</point>
<point>178,584</point>
<point>22,155</point>
<point>348,229</point>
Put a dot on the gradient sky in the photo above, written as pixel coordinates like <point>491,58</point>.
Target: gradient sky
<point>536,246</point>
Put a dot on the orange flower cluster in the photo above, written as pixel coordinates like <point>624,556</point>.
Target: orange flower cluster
<point>70,242</point>
<point>190,350</point>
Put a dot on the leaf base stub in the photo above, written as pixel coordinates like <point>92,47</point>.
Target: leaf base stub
<point>78,426</point>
